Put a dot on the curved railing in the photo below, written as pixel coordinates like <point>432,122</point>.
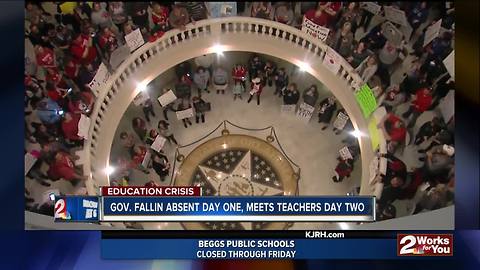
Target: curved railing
<point>257,29</point>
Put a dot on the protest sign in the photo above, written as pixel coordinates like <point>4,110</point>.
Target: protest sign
<point>395,15</point>
<point>345,153</point>
<point>305,112</point>
<point>432,32</point>
<point>185,114</point>
<point>134,40</point>
<point>167,98</point>
<point>158,144</point>
<point>100,79</point>
<point>314,29</point>
<point>366,99</point>
<point>340,121</point>
<point>332,60</point>
<point>83,126</point>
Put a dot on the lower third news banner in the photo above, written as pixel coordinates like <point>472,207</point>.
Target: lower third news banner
<point>240,209</point>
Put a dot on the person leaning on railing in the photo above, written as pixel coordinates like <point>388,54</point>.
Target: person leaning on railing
<point>179,17</point>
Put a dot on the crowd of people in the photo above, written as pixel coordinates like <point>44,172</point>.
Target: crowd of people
<point>70,44</point>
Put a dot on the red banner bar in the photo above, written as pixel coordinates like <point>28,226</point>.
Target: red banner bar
<point>151,191</point>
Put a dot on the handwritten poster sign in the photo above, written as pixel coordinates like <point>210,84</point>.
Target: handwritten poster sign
<point>185,114</point>
<point>432,32</point>
<point>345,153</point>
<point>167,98</point>
<point>340,121</point>
<point>305,112</point>
<point>395,15</point>
<point>158,144</point>
<point>366,99</point>
<point>314,29</point>
<point>83,126</point>
<point>134,40</point>
<point>332,60</point>
<point>100,79</point>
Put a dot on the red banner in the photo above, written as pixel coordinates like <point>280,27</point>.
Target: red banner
<point>151,191</point>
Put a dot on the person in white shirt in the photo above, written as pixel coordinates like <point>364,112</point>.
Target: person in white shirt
<point>368,68</point>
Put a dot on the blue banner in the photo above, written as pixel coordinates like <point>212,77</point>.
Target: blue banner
<point>248,249</point>
<point>76,208</point>
<point>265,208</point>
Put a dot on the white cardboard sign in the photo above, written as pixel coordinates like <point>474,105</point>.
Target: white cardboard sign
<point>83,126</point>
<point>134,40</point>
<point>340,121</point>
<point>395,15</point>
<point>432,32</point>
<point>305,112</point>
<point>101,77</point>
<point>158,144</point>
<point>332,60</point>
<point>345,153</point>
<point>185,114</point>
<point>167,98</point>
<point>314,29</point>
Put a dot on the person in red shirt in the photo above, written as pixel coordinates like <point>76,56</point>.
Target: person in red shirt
<point>324,14</point>
<point>138,154</point>
<point>159,17</point>
<point>393,128</point>
<point>56,78</point>
<point>56,94</point>
<point>70,127</point>
<point>239,74</point>
<point>344,169</point>
<point>63,167</point>
<point>45,57</point>
<point>71,68</point>
<point>421,102</point>
<point>83,49</point>
<point>317,16</point>
<point>330,9</point>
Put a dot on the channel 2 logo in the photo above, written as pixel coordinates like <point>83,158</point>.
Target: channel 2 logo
<point>61,210</point>
<point>424,244</point>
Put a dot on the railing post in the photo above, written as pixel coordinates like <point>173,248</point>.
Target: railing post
<point>216,28</point>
